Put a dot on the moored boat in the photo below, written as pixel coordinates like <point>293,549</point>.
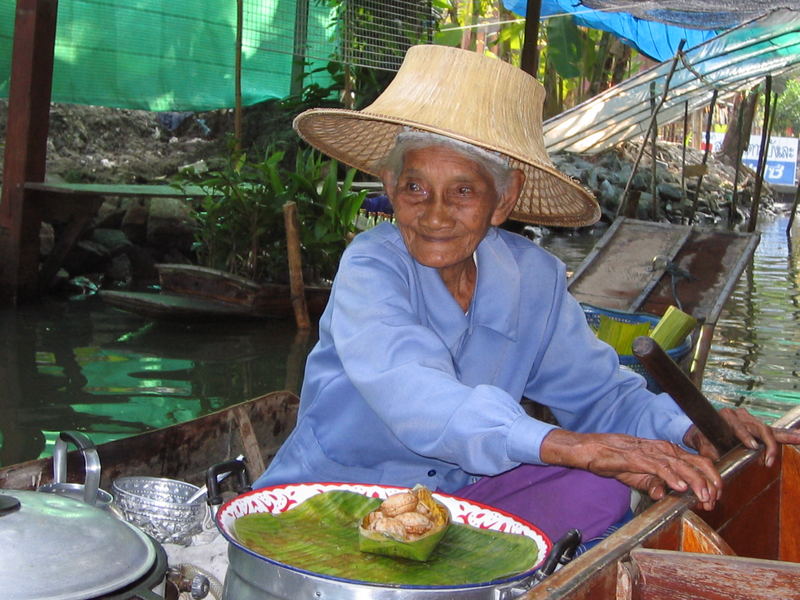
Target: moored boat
<point>191,292</point>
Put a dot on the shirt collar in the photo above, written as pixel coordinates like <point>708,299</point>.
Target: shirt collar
<point>496,301</point>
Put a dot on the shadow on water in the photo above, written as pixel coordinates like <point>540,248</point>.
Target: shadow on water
<point>79,364</point>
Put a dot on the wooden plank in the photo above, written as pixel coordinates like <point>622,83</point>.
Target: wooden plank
<point>102,189</point>
<point>715,260</point>
<point>26,146</point>
<point>789,545</point>
<point>615,276</point>
<point>697,536</point>
<point>658,271</point>
<point>669,575</point>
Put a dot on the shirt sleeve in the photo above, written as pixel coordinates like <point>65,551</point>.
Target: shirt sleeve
<point>579,378</point>
<point>405,373</point>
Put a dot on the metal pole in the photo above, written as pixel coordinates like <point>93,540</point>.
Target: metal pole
<point>299,47</point>
<point>237,111</point>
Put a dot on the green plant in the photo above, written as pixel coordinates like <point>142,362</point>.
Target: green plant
<point>327,210</point>
<point>240,226</point>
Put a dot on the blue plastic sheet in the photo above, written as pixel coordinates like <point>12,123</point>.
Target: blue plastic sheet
<point>655,40</point>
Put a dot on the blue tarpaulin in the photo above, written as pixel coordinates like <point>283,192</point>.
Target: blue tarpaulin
<point>656,40</point>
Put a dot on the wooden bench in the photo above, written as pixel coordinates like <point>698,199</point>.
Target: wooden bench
<point>76,204</point>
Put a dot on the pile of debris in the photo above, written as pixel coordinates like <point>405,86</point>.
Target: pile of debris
<point>607,174</point>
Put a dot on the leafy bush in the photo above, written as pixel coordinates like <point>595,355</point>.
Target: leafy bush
<point>240,219</point>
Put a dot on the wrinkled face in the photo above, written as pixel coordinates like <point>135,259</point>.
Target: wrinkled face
<point>444,203</point>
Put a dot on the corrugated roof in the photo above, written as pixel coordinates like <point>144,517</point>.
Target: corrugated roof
<point>735,60</point>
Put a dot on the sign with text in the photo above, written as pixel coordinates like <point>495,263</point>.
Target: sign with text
<point>781,159</point>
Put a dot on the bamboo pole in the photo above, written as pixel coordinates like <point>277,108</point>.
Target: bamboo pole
<point>762,156</point>
<point>623,200</point>
<point>653,150</point>
<point>237,111</point>
<point>683,157</point>
<point>297,288</point>
<point>706,152</point>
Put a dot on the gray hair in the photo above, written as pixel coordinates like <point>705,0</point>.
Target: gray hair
<point>495,163</point>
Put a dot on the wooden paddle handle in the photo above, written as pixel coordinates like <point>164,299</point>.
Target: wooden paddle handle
<point>674,382</point>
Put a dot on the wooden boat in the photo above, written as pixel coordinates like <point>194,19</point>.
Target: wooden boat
<point>190,292</point>
<point>646,266</point>
<point>747,547</point>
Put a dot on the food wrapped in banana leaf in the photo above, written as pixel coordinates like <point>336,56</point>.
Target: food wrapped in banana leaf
<point>408,525</point>
<point>321,535</point>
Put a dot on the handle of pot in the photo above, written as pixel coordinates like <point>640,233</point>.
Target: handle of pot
<point>562,552</point>
<point>90,458</point>
<point>231,467</point>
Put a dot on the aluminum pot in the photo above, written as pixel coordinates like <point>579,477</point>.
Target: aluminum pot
<point>89,491</point>
<point>253,576</point>
<point>56,547</point>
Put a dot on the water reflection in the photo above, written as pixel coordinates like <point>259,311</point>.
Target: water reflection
<point>756,350</point>
<point>80,364</point>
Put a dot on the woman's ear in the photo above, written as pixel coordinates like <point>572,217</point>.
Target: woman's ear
<point>389,180</point>
<point>508,199</point>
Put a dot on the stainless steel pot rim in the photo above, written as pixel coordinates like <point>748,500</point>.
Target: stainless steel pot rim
<point>312,574</point>
<point>232,540</point>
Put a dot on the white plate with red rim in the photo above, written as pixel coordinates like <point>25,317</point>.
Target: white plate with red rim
<point>278,499</point>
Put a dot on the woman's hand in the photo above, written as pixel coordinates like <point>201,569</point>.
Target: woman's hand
<point>749,430</point>
<point>648,465</point>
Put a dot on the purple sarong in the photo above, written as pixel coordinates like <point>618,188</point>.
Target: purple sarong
<point>554,499</point>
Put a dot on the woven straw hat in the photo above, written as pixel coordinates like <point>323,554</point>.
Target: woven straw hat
<point>468,97</point>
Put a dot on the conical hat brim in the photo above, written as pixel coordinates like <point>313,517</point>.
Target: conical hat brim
<point>461,95</point>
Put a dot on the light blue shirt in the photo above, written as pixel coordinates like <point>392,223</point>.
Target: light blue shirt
<point>403,387</point>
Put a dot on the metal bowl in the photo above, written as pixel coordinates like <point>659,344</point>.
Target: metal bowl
<point>158,506</point>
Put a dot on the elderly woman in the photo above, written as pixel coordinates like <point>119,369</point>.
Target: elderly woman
<point>440,325</point>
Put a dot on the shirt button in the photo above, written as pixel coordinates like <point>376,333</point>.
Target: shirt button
<point>432,473</point>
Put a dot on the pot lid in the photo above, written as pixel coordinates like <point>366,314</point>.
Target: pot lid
<point>60,548</point>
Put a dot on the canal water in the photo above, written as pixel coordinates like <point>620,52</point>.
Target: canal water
<point>79,364</point>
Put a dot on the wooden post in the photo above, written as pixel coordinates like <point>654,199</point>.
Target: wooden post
<point>296,285</point>
<point>530,45</point>
<point>26,146</point>
<point>793,212</point>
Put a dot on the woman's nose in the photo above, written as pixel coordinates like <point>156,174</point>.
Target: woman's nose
<point>436,213</point>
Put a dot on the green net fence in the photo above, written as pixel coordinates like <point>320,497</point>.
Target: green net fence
<point>179,55</point>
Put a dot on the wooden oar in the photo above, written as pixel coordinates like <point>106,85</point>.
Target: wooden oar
<point>674,382</point>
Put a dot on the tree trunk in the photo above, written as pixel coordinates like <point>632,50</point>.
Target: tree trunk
<point>736,138</point>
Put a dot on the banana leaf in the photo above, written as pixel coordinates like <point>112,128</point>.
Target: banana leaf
<point>321,536</point>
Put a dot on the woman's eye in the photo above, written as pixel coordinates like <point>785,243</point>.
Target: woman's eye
<point>413,187</point>
<point>464,190</point>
